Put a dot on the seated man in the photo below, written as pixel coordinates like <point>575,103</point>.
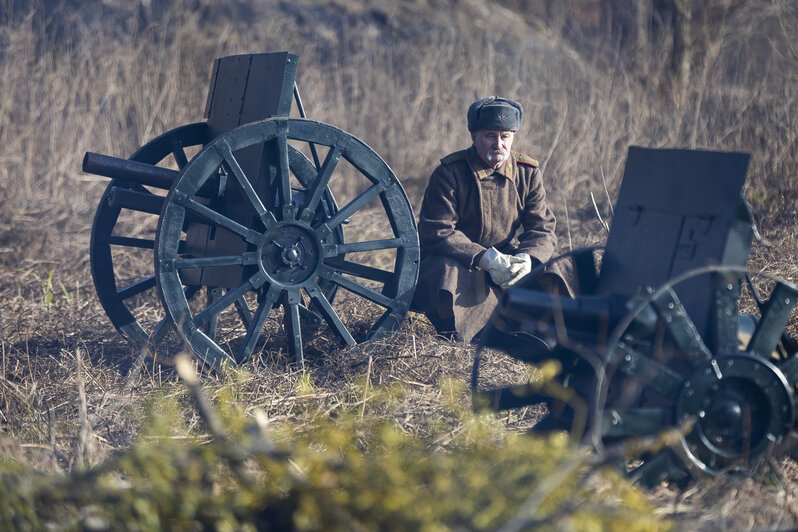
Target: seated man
<point>484,224</point>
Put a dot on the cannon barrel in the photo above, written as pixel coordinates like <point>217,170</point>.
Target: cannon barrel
<point>536,304</point>
<point>584,313</point>
<point>142,174</point>
<point>128,170</point>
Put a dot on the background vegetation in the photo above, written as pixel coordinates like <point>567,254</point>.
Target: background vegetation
<point>594,76</point>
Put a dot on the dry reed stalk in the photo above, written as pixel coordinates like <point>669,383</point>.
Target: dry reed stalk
<point>82,442</point>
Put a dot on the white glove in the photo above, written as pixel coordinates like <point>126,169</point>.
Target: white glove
<point>519,269</point>
<point>501,267</point>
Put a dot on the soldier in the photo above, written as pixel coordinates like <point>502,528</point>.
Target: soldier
<point>484,224</point>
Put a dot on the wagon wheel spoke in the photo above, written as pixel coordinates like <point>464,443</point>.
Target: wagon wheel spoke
<point>207,262</point>
<point>775,314</point>
<point>136,288</point>
<point>217,218</point>
<point>723,312</point>
<point>130,242</point>
<point>656,376</point>
<point>369,245</point>
<point>320,186</point>
<point>329,314</point>
<point>243,311</point>
<point>681,327</point>
<point>639,421</point>
<point>291,303</point>
<point>139,243</point>
<point>255,325</point>
<point>352,207</point>
<point>218,305</point>
<point>232,164</point>
<point>284,173</point>
<point>213,295</point>
<point>179,154</point>
<point>789,368</point>
<point>359,270</point>
<point>245,259</point>
<point>309,317</point>
<point>357,288</point>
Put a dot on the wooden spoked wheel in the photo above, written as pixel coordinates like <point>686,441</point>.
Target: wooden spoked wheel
<point>280,249</point>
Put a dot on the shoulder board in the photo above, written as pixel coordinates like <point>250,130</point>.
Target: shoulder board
<point>526,159</point>
<point>454,157</point>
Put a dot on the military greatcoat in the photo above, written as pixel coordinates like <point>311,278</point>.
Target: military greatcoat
<point>467,208</point>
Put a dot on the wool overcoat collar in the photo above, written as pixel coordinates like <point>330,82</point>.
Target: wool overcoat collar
<point>483,171</point>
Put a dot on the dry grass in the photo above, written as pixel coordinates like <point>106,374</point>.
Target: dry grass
<point>108,77</point>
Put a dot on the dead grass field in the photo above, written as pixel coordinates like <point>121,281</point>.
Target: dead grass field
<point>108,76</point>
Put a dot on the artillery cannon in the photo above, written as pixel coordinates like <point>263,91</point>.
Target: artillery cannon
<point>249,223</point>
<point>237,222</point>
<point>669,329</point>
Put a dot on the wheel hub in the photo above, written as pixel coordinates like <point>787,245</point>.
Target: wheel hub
<point>292,256</point>
<point>741,404</point>
<point>725,418</point>
<point>289,254</point>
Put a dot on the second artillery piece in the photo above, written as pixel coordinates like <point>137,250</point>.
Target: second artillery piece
<point>249,224</point>
<point>669,330</point>
<point>237,222</point>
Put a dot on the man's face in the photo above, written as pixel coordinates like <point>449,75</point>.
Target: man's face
<point>493,146</point>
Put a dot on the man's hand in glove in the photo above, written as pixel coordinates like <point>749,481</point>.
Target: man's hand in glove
<point>519,269</point>
<point>504,269</point>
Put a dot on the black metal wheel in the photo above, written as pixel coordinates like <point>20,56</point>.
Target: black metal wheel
<point>279,248</point>
<point>138,208</point>
<point>724,370</point>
